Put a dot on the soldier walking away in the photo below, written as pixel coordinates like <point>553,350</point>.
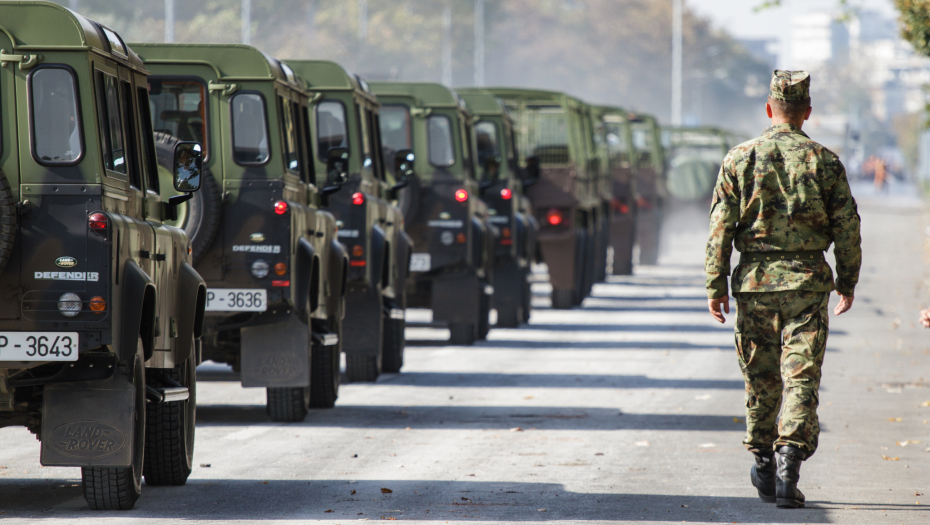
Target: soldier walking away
<point>782,199</point>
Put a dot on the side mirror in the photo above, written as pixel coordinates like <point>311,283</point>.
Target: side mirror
<point>188,166</point>
<point>337,166</point>
<point>403,164</point>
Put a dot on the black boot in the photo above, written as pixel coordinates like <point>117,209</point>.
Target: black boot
<point>762,475</point>
<point>789,461</point>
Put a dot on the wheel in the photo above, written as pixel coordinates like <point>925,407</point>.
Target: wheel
<point>200,216</point>
<point>527,299</point>
<point>287,404</point>
<point>394,343</point>
<point>169,436</point>
<point>324,371</point>
<point>363,368</point>
<point>118,488</point>
<point>562,299</point>
<point>484,313</point>
<point>508,318</point>
<point>463,334</point>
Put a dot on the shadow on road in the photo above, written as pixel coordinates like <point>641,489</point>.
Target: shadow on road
<point>570,345</point>
<point>343,500</point>
<point>491,380</point>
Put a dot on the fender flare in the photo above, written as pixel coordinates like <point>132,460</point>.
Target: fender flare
<point>478,240</point>
<point>138,313</point>
<point>378,248</point>
<point>338,276</point>
<point>192,301</point>
<point>303,274</point>
<point>402,253</point>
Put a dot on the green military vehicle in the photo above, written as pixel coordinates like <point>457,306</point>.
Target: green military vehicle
<point>451,266</point>
<point>345,118</point>
<point>270,256</point>
<point>694,156</point>
<point>651,187</point>
<point>596,145</point>
<point>503,191</point>
<point>617,155</point>
<point>102,309</point>
<point>555,141</point>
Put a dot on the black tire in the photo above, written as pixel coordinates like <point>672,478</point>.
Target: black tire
<point>394,342</point>
<point>508,318</point>
<point>563,299</point>
<point>169,435</point>
<point>8,221</point>
<point>203,210</point>
<point>363,368</point>
<point>118,488</point>
<point>324,371</point>
<point>484,314</point>
<point>462,334</point>
<point>287,404</point>
<point>527,299</point>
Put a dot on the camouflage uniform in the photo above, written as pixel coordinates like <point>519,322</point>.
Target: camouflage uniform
<point>776,195</point>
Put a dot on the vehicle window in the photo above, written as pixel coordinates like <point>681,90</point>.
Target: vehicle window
<point>290,144</point>
<point>331,129</point>
<point>546,135</point>
<point>642,144</point>
<point>488,145</point>
<point>376,148</point>
<point>394,123</point>
<point>147,155</point>
<point>511,150</point>
<point>364,136</point>
<point>311,170</point>
<point>249,129</point>
<point>111,123</point>
<point>618,142</point>
<point>179,108</point>
<point>439,139</point>
<point>56,127</point>
<point>132,158</point>
<point>467,131</point>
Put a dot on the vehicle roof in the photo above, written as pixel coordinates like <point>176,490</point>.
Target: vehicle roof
<point>480,102</point>
<point>535,95</point>
<point>428,94</point>
<point>697,129</point>
<point>34,26</point>
<point>229,61</point>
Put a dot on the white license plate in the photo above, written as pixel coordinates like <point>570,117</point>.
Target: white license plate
<point>38,346</point>
<point>419,262</point>
<point>237,300</point>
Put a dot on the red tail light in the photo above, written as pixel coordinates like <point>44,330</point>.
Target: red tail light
<point>461,195</point>
<point>643,204</point>
<point>358,198</point>
<point>280,207</point>
<point>555,217</point>
<point>624,208</point>
<point>97,221</point>
<point>506,194</point>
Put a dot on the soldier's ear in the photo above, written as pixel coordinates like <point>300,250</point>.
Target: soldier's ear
<point>807,114</point>
<point>768,109</point>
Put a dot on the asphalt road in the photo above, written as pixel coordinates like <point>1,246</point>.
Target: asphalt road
<point>626,410</point>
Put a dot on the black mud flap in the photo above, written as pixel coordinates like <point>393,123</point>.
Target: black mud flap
<point>362,327</point>
<point>276,354</point>
<point>88,424</point>
<point>456,298</point>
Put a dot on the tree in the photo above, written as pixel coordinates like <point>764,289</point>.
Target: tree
<point>915,23</point>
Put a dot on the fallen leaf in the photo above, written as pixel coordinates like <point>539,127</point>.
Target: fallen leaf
<point>925,404</point>
<point>389,519</point>
<point>642,443</point>
<point>702,397</point>
<point>541,510</point>
<point>738,420</point>
<point>264,482</point>
<point>516,429</point>
<point>707,445</point>
<point>328,510</point>
<point>465,499</point>
<point>202,465</point>
<point>598,453</point>
<point>408,428</point>
<point>527,397</point>
<point>352,493</point>
<point>907,442</point>
<point>386,491</point>
<point>894,419</point>
<point>886,458</point>
<point>918,493</point>
<point>684,506</point>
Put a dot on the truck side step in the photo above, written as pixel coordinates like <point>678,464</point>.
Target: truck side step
<point>425,324</point>
<point>166,395</point>
<point>326,339</point>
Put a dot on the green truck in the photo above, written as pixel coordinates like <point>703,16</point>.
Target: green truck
<point>508,208</point>
<point>344,118</point>
<point>451,266</point>
<point>649,170</point>
<point>102,310</point>
<point>694,156</point>
<point>555,134</point>
<point>261,238</point>
<point>617,154</point>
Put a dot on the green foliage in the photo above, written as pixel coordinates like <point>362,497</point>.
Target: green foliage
<point>915,23</point>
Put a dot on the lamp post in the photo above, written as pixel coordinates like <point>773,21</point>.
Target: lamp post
<point>677,9</point>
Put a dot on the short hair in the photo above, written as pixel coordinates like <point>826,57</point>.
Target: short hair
<point>793,109</point>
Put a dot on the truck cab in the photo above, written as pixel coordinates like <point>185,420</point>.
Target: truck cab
<point>618,156</point>
<point>268,251</point>
<point>451,265</point>
<point>651,186</point>
<point>102,311</point>
<point>344,118</point>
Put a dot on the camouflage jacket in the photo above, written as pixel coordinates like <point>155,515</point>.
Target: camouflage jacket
<point>782,192</point>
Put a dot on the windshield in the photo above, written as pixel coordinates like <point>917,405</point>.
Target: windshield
<point>56,128</point>
<point>488,149</point>
<point>695,145</point>
<point>439,139</point>
<point>331,130</point>
<point>545,134</point>
<point>618,146</point>
<point>178,109</point>
<point>642,143</point>
<point>394,123</point>
<point>249,129</point>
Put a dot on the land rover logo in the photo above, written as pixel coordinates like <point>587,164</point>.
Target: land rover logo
<point>86,439</point>
<point>66,262</point>
<point>257,237</point>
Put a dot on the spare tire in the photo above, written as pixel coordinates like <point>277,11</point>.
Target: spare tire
<point>8,218</point>
<point>202,218</point>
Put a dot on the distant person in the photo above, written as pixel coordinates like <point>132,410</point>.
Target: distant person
<point>782,198</point>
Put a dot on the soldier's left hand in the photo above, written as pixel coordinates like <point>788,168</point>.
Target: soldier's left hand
<point>844,305</point>
<point>925,317</point>
<point>714,306</point>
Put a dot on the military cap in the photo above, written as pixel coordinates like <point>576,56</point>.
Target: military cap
<point>790,85</point>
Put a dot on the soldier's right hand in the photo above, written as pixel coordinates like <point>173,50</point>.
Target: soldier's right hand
<point>713,305</point>
<point>925,317</point>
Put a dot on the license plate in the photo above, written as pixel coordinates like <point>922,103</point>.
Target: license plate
<point>38,346</point>
<point>419,262</point>
<point>237,300</point>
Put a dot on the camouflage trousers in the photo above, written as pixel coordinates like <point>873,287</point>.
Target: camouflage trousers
<point>780,341</point>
